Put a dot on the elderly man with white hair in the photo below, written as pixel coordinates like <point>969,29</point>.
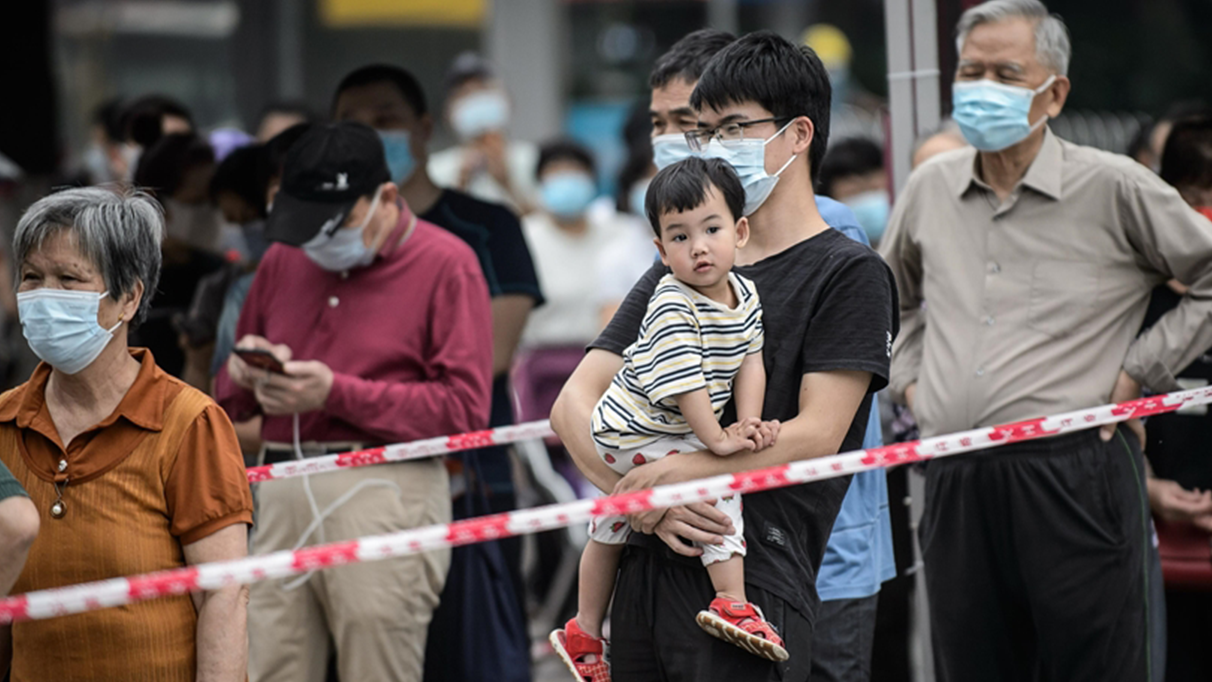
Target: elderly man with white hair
<point>1037,257</point>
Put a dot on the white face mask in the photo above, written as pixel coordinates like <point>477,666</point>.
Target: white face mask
<point>343,249</point>
<point>479,113</point>
<point>61,327</point>
<point>748,158</point>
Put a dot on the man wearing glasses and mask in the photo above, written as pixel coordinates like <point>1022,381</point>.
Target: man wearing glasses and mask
<point>763,104</point>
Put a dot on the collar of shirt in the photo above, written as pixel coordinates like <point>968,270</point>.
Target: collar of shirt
<point>400,233</point>
<point>101,447</point>
<point>1043,176</point>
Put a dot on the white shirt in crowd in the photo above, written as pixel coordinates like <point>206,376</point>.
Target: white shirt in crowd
<point>567,266</point>
<point>522,157</point>
<point>621,264</point>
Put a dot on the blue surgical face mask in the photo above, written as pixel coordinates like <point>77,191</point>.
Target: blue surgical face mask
<point>748,158</point>
<point>669,149</point>
<point>479,113</point>
<point>567,195</point>
<point>871,209</point>
<point>343,249</point>
<point>61,327</point>
<point>993,116</point>
<point>397,147</point>
<point>635,198</point>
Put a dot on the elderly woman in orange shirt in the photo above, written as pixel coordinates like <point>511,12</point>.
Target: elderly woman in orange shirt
<point>130,469</point>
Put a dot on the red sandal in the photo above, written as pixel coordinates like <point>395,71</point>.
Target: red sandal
<point>585,655</point>
<point>742,625</point>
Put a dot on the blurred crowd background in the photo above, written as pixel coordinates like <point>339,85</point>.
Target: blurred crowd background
<point>189,96</point>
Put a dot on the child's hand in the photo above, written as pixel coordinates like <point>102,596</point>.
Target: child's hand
<point>735,438</point>
<point>768,434</point>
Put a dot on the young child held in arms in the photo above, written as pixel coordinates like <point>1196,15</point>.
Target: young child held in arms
<point>700,345</point>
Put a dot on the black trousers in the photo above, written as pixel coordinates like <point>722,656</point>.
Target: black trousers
<point>841,650</point>
<point>654,637</point>
<point>1035,562</point>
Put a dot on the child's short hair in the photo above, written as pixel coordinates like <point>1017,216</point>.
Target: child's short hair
<point>683,186</point>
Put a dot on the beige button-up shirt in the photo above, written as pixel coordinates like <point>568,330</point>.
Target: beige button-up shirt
<point>1017,309</point>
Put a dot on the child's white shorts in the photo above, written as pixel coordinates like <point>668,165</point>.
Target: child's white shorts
<point>614,530</point>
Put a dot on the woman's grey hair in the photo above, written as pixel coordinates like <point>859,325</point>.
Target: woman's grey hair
<point>1052,47</point>
<point>118,230</point>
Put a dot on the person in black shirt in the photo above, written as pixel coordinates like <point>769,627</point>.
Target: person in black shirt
<point>390,100</point>
<point>830,318</point>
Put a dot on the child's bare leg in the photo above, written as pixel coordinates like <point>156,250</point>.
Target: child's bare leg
<point>728,578</point>
<point>599,566</point>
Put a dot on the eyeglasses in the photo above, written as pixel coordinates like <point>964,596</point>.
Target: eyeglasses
<point>729,132</point>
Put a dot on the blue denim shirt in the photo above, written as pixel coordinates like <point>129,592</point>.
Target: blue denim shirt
<point>859,554</point>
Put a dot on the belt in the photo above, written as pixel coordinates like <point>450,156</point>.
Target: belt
<point>272,453</point>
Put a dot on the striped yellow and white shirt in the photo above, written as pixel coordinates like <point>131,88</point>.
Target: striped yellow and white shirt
<point>687,342</point>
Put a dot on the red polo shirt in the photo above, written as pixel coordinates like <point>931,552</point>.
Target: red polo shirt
<point>408,338</point>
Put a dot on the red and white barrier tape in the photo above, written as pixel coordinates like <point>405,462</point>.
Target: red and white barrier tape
<point>119,591</point>
<point>401,452</point>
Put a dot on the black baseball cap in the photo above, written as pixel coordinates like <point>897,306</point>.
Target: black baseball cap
<point>323,176</point>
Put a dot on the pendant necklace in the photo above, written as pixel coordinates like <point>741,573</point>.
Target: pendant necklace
<point>59,508</point>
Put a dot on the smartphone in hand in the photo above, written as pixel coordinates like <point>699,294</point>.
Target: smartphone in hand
<point>261,359</point>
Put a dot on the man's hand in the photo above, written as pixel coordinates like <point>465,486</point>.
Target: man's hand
<point>643,478</point>
<point>737,437</point>
<point>247,377</point>
<point>1126,388</point>
<point>1172,502</point>
<point>698,522</point>
<point>304,388</point>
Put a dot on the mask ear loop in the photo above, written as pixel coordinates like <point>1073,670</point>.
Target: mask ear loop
<point>370,212</point>
<point>1047,84</point>
<point>793,156</point>
<point>120,320</point>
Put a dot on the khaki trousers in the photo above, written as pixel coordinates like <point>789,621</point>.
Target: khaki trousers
<point>376,614</point>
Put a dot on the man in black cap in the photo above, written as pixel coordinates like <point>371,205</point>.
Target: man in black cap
<point>390,99</point>
<point>377,327</point>
<point>486,163</point>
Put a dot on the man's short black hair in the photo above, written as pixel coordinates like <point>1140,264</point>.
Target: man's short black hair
<point>143,120</point>
<point>683,186</point>
<point>785,79</point>
<point>373,74</point>
<point>688,57</point>
<point>245,173</point>
<point>564,150</point>
<point>278,145</point>
<point>1186,160</point>
<point>109,117</point>
<point>163,166</point>
<point>846,158</point>
<point>467,66</point>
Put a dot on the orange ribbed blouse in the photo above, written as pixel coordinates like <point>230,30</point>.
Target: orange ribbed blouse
<point>163,471</point>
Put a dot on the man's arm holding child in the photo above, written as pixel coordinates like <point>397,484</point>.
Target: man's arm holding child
<point>572,414</point>
<point>828,404</point>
